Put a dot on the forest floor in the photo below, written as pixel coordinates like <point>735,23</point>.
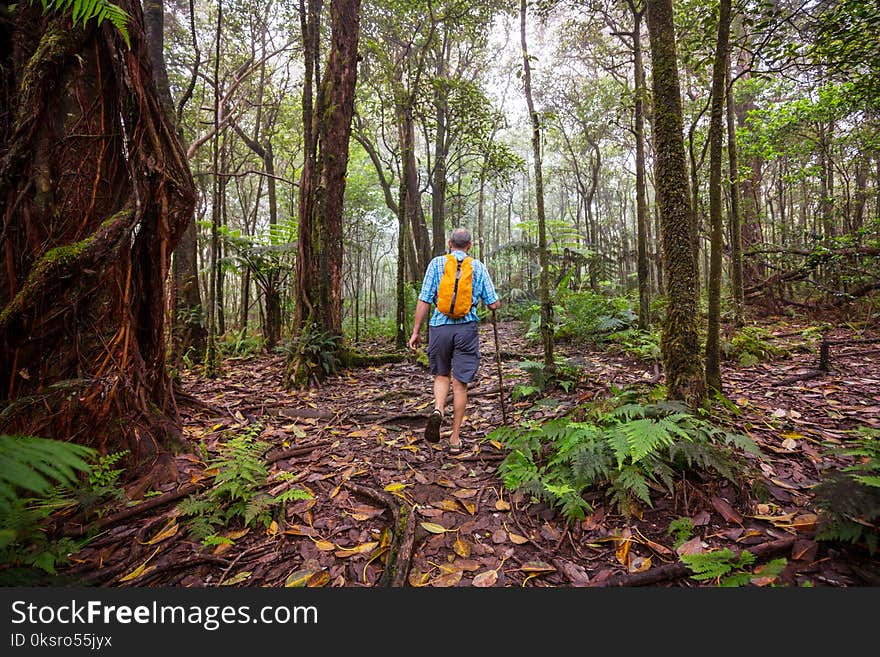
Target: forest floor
<point>356,444</point>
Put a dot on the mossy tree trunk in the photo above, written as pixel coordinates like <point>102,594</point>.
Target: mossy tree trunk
<point>680,340</point>
<point>95,193</point>
<point>716,242</point>
<point>322,189</point>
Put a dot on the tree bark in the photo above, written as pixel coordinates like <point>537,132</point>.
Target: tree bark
<point>188,332</point>
<point>716,245</point>
<point>95,193</point>
<point>680,341</point>
<point>319,262</point>
<point>543,256</point>
<point>641,193</point>
<point>734,221</point>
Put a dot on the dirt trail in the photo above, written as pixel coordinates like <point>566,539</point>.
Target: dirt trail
<point>356,444</point>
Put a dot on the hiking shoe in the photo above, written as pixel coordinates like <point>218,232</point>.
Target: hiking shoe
<point>432,427</point>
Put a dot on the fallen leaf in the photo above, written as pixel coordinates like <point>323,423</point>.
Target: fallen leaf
<point>417,578</point>
<point>446,505</point>
<point>434,528</point>
<point>325,546</point>
<point>272,529</point>
<point>537,567</point>
<point>516,538</point>
<point>501,505</point>
<point>447,579</point>
<point>725,510</point>
<point>363,548</point>
<point>470,507</point>
<point>486,578</point>
<point>465,493</point>
<point>318,580</point>
<point>638,564</point>
<point>298,578</point>
<point>693,546</point>
<point>237,578</point>
<point>396,487</point>
<point>789,444</point>
<point>461,548</point>
<point>140,570</point>
<point>169,530</point>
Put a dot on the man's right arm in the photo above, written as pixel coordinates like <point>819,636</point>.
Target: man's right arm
<point>422,309</point>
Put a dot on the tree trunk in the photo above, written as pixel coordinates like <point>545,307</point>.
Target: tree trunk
<point>733,220</point>
<point>680,340</point>
<point>438,184</point>
<point>322,185</point>
<point>187,324</point>
<point>716,245</point>
<point>641,193</point>
<point>95,193</point>
<point>543,256</point>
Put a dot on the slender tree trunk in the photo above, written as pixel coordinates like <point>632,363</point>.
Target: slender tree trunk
<point>733,221</point>
<point>94,195</point>
<point>546,305</point>
<point>680,340</point>
<point>438,185</point>
<point>211,353</point>
<point>716,149</point>
<point>187,325</point>
<point>641,193</point>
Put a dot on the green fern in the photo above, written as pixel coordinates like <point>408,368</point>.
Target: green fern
<point>849,499</point>
<point>628,450</point>
<point>35,465</point>
<point>681,529</point>
<point>727,569</point>
<point>82,11</point>
<point>237,494</point>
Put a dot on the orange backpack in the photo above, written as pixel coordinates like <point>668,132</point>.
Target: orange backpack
<point>455,295</point>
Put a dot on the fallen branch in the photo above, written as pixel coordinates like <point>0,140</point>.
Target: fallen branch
<point>291,452</point>
<point>404,535</point>
<point>675,571</point>
<point>131,512</point>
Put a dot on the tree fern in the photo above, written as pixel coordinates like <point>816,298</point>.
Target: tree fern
<point>82,11</point>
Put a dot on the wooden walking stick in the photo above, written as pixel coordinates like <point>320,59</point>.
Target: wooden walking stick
<point>498,362</point>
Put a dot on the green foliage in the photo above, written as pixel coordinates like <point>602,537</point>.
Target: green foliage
<point>848,499</point>
<point>751,345</point>
<point>629,450</point>
<point>82,11</point>
<point>238,344</point>
<point>565,377</point>
<point>728,569</point>
<point>237,494</point>
<point>681,529</point>
<point>37,478</point>
<point>29,464</point>
<point>586,315</point>
<point>644,345</point>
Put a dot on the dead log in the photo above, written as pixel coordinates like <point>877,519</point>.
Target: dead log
<point>674,571</point>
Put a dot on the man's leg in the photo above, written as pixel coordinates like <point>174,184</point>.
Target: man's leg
<point>459,404</point>
<point>441,392</point>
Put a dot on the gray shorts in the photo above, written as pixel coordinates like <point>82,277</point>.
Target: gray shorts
<point>455,348</point>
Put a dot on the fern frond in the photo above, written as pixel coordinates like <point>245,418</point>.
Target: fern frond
<point>82,11</point>
<point>35,465</point>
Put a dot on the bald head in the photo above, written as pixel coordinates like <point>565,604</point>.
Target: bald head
<point>460,238</point>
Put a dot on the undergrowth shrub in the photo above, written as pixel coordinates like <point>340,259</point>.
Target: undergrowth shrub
<point>237,496</point>
<point>40,478</point>
<point>751,345</point>
<point>848,499</point>
<point>629,451</point>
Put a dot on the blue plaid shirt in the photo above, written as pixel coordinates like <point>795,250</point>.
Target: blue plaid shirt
<point>483,289</point>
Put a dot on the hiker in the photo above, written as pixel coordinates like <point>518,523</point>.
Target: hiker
<point>456,283</point>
